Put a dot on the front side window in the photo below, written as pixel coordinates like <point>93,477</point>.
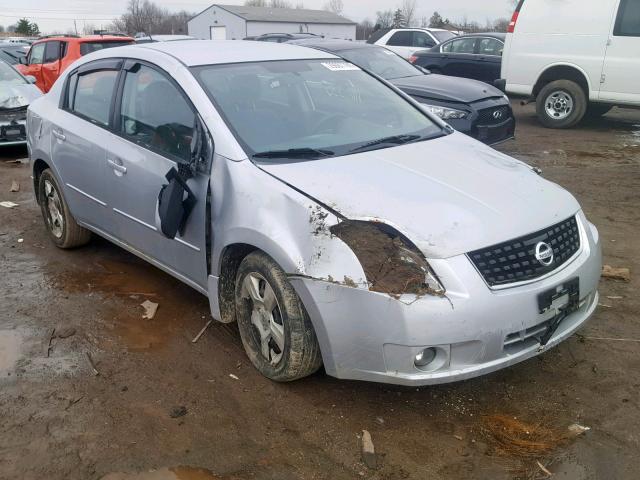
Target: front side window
<point>52,52</point>
<point>37,54</point>
<point>628,20</point>
<point>401,39</point>
<point>93,95</point>
<point>154,113</point>
<point>320,107</point>
<point>423,40</point>
<point>490,46</point>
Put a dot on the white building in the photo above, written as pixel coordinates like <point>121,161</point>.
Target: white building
<point>235,22</point>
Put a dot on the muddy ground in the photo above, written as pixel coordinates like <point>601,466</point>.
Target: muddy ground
<point>58,420</point>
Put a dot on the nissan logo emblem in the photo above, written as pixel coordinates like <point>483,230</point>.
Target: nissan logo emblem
<point>544,253</point>
<point>497,114</point>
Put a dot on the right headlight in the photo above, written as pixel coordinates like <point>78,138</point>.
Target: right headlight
<point>391,263</point>
<point>445,113</point>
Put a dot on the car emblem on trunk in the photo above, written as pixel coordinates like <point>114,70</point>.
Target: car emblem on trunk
<point>497,114</point>
<point>544,253</point>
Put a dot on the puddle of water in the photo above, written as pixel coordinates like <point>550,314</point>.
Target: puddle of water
<point>10,342</point>
<point>173,473</point>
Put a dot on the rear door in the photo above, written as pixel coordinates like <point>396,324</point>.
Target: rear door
<point>402,43</point>
<point>34,64</point>
<point>53,52</point>
<point>489,55</point>
<point>154,127</point>
<point>80,132</point>
<point>459,58</point>
<point>621,70</point>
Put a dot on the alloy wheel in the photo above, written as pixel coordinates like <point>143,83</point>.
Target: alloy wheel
<point>558,105</point>
<point>55,219</point>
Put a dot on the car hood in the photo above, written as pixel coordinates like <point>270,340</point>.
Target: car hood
<point>450,195</point>
<point>442,87</point>
<point>15,96</point>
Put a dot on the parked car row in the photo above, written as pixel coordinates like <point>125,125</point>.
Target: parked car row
<point>311,200</point>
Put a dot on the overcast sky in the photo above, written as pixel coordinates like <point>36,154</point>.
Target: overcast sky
<point>59,16</point>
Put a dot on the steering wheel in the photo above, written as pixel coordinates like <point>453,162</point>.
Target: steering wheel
<point>329,124</point>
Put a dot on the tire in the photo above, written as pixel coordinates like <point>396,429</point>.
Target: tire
<point>290,348</point>
<point>61,226</point>
<point>561,104</point>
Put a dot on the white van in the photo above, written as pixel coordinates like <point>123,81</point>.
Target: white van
<point>575,57</point>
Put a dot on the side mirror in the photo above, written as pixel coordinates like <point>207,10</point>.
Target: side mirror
<point>31,79</point>
<point>175,203</point>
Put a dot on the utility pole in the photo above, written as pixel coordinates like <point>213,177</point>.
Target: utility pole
<point>75,26</point>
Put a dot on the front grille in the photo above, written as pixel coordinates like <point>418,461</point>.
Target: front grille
<point>494,115</point>
<point>515,260</point>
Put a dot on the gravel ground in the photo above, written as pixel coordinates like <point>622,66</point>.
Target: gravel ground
<point>62,421</point>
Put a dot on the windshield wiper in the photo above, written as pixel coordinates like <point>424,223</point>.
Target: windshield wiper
<point>392,140</point>
<point>295,153</point>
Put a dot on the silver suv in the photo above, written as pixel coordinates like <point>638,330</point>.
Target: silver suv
<point>322,209</point>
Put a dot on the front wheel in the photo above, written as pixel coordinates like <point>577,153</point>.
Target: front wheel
<point>561,104</point>
<point>275,328</point>
<point>61,226</point>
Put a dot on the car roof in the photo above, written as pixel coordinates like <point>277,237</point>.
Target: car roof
<point>331,45</point>
<point>498,35</point>
<point>213,52</point>
<point>88,38</point>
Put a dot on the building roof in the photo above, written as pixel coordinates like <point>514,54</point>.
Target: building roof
<point>286,15</point>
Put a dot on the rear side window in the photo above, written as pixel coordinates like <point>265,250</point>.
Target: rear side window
<point>401,39</point>
<point>628,20</point>
<point>490,46</point>
<point>88,47</point>
<point>37,54</point>
<point>154,114</point>
<point>462,45</point>
<point>93,94</point>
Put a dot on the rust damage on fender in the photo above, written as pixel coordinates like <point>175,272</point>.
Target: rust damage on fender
<point>391,263</point>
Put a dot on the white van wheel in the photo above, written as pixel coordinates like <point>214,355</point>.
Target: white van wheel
<point>561,104</point>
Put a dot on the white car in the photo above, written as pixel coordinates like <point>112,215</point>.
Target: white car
<point>318,206</point>
<point>575,57</point>
<point>407,41</point>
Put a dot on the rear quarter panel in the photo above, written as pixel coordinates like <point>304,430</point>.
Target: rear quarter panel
<point>557,32</point>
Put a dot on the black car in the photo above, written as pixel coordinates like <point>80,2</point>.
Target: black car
<point>477,56</point>
<point>13,52</point>
<point>283,37</point>
<point>469,106</point>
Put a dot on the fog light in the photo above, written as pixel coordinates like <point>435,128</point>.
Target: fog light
<point>425,357</point>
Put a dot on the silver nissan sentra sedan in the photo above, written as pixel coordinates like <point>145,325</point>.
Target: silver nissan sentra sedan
<point>322,209</point>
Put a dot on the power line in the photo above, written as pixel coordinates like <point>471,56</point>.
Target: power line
<point>57,18</point>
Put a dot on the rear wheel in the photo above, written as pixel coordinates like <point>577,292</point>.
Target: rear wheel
<point>61,226</point>
<point>275,328</point>
<point>561,104</point>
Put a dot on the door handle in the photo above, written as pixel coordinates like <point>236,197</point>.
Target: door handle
<point>59,135</point>
<point>117,166</point>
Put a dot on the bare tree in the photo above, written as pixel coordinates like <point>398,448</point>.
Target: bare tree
<point>384,19</point>
<point>255,3</point>
<point>335,6</point>
<point>364,29</point>
<point>408,12</point>
<point>279,4</point>
<point>143,16</point>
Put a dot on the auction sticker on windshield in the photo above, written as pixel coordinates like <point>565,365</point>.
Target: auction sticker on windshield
<point>340,66</point>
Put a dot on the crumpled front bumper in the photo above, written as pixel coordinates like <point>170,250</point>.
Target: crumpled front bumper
<point>7,138</point>
<point>371,336</point>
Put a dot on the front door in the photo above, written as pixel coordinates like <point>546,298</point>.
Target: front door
<point>34,64</point>
<point>621,69</point>
<point>459,58</point>
<point>79,136</point>
<point>489,54</point>
<point>154,126</point>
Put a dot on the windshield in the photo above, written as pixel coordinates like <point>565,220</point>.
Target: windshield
<point>380,61</point>
<point>443,35</point>
<point>89,47</point>
<point>311,108</point>
<point>8,76</point>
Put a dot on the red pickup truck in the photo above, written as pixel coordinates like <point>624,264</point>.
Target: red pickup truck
<point>49,57</point>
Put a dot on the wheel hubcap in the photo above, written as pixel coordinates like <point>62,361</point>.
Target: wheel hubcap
<point>54,209</point>
<point>266,317</point>
<point>559,105</point>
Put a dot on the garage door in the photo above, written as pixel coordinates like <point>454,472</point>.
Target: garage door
<point>218,33</point>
